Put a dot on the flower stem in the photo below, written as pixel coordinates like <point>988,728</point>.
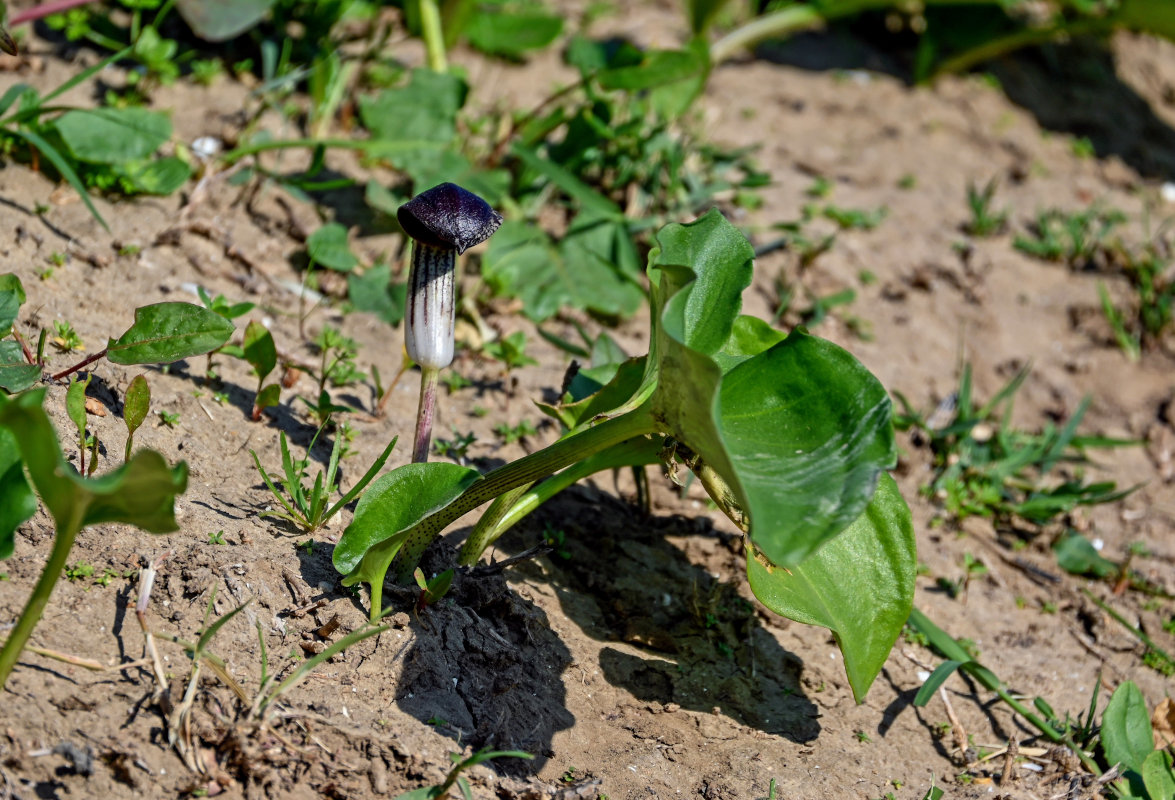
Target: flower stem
<point>425,413</point>
<point>434,39</point>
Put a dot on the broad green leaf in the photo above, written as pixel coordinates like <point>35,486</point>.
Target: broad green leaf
<point>658,68</point>
<point>748,337</point>
<point>579,272</point>
<point>17,501</point>
<point>1127,738</point>
<point>268,397</point>
<point>374,292</point>
<point>1158,776</point>
<point>140,493</point>
<point>136,403</point>
<point>112,135</point>
<point>800,431</point>
<point>9,310</point>
<point>259,349</point>
<point>1150,16</point>
<point>10,282</point>
<point>16,374</point>
<point>160,176</point>
<point>425,110</point>
<point>701,14</point>
<point>507,34</point>
<point>220,20</point>
<point>328,247</point>
<point>860,585</point>
<point>167,332</point>
<point>389,513</point>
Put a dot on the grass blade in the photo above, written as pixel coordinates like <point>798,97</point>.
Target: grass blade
<point>58,161</point>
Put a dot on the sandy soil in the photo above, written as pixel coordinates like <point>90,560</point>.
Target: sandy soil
<point>640,665</point>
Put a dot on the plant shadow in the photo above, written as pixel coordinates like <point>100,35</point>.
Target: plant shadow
<point>1071,88</point>
<point>689,637</point>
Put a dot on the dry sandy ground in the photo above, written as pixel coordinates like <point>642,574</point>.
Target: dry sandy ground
<point>640,666</point>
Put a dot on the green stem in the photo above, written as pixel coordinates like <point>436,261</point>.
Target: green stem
<point>1138,632</point>
<point>425,412</point>
<point>995,48</point>
<point>35,607</point>
<point>509,508</point>
<point>563,453</point>
<point>377,147</point>
<point>434,37</point>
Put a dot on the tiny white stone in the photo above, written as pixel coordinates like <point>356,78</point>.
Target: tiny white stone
<point>206,147</point>
<point>923,676</point>
<point>1168,192</point>
<point>1098,544</point>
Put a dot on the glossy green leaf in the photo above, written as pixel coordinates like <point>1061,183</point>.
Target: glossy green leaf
<point>328,247</point>
<point>9,309</point>
<point>140,493</point>
<point>512,34</point>
<point>17,501</point>
<point>259,349</point>
<point>220,20</point>
<point>1077,555</point>
<point>800,431</point>
<point>1127,738</point>
<point>75,404</point>
<point>112,135</point>
<point>388,513</point>
<point>136,403</point>
<point>268,397</point>
<point>860,585</point>
<point>167,332</point>
<point>374,292</point>
<point>1158,776</point>
<point>16,374</point>
<point>936,679</point>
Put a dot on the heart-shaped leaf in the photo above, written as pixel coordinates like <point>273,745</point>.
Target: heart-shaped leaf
<point>220,20</point>
<point>113,135</point>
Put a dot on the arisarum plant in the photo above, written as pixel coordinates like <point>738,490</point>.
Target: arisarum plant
<point>443,222</point>
<point>790,435</point>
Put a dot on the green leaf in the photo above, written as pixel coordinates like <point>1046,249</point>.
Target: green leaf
<point>140,493</point>
<point>860,585</point>
<point>61,164</point>
<point>10,282</point>
<point>75,404</point>
<point>657,68</point>
<point>136,403</point>
<point>1158,776</point>
<point>388,512</point>
<point>328,247</point>
<point>1127,738</point>
<point>16,374</point>
<point>220,20</point>
<point>17,501</point>
<point>1077,555</point>
<point>936,679</point>
<point>374,292</point>
<point>112,135</point>
<point>425,110</point>
<point>167,332</point>
<point>259,349</point>
<point>800,431</point>
<point>508,34</point>
<point>268,397</point>
<point>580,272</point>
<point>161,176</point>
<point>9,310</point>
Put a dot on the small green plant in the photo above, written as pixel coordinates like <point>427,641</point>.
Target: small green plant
<point>169,418</point>
<point>1143,322</point>
<point>983,467</point>
<point>65,338</point>
<point>510,350</point>
<point>79,571</point>
<point>308,509</point>
<point>456,448</point>
<point>1076,238</point>
<point>1128,742</point>
<point>216,537</point>
<point>850,218</point>
<point>141,493</point>
<point>134,410</point>
<point>985,221</point>
<point>432,590</point>
<point>513,433</point>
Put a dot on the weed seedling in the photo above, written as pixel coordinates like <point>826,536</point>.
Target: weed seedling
<point>169,418</point>
<point>456,448</point>
<point>1075,239</point>
<point>432,591</point>
<point>510,350</point>
<point>308,509</point>
<point>216,538</point>
<point>513,433</point>
<point>65,338</point>
<point>985,221</point>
